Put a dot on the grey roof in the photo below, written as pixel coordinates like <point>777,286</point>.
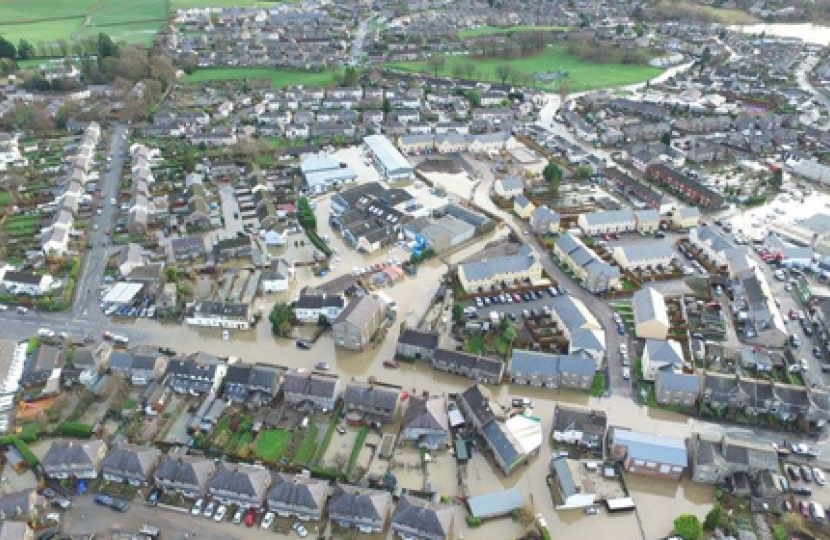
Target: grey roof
<point>559,467</point>
<point>511,183</point>
<point>568,418</point>
<point>14,530</point>
<point>469,361</point>
<point>386,152</point>
<point>360,311</point>
<point>371,396</point>
<point>420,515</point>
<point>522,201</point>
<point>646,447</point>
<point>715,239</point>
<point>477,398</point>
<point>686,212</point>
<point>482,270</point>
<point>609,217</point>
<point>679,382</point>
<point>189,470</point>
<point>310,384</point>
<point>551,365</point>
<point>70,452</point>
<point>496,503</point>
<point>353,502</point>
<point>585,332</point>
<point>649,304</point>
<point>241,479</point>
<point>121,360</point>
<point>644,251</point>
<point>662,351</point>
<point>299,491</point>
<point>426,414</point>
<point>545,214</point>
<point>427,339</point>
<point>20,503</point>
<point>648,215</point>
<point>131,459</point>
<point>500,442</point>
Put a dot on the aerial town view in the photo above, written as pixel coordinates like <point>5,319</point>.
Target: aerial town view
<point>418,270</point>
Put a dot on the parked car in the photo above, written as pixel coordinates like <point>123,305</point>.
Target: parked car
<point>304,344</point>
<point>818,476</point>
<point>209,509</point>
<point>804,508</point>
<point>267,520</point>
<point>793,472</point>
<point>250,517</point>
<point>220,513</point>
<point>626,373</point>
<point>806,473</point>
<point>299,529</point>
<point>802,490</point>
<point>197,507</point>
<point>392,364</point>
<point>237,516</point>
<point>322,366</point>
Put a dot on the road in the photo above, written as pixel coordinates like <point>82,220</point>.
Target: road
<point>802,77</point>
<point>359,41</point>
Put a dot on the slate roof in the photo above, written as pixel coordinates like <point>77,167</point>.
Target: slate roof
<point>426,414</point>
<point>663,351</point>
<point>70,452</point>
<point>679,382</point>
<point>354,502</point>
<point>307,383</point>
<point>246,480</point>
<point>647,447</point>
<point>360,311</point>
<point>559,467</point>
<point>420,515</point>
<point>426,339</point>
<point>469,361</point>
<point>299,492</point>
<point>483,270</point>
<point>588,421</point>
<point>649,304</point>
<point>609,217</point>
<point>478,400</point>
<point>365,396</point>
<point>550,365</point>
<point>131,459</point>
<point>189,470</point>
<point>500,442</point>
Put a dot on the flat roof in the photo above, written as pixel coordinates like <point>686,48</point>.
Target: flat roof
<point>386,152</point>
<point>497,503</point>
<point>122,293</point>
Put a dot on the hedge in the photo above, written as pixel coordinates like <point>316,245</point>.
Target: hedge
<point>318,242</point>
<point>326,474</point>
<point>28,456</point>
<point>358,446</point>
<point>75,429</point>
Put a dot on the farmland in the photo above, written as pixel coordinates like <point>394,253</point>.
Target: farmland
<point>581,76</point>
<point>278,77</point>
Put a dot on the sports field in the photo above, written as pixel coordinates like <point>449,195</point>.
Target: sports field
<point>495,30</point>
<point>581,75</point>
<point>278,77</point>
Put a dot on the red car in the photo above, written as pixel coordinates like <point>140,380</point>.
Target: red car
<point>250,517</point>
<point>390,364</point>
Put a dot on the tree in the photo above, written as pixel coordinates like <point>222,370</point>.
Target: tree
<point>688,527</point>
<point>457,312</point>
<point>665,138</point>
<point>106,47</point>
<point>350,77</point>
<point>25,50</point>
<point>620,30</point>
<point>7,49</point>
<point>474,98</point>
<point>322,320</point>
<point>714,517</point>
<point>584,172</point>
<point>436,63</point>
<point>503,72</point>
<point>778,179</point>
<point>387,105</point>
<point>280,318</point>
<point>305,214</point>
<point>509,333</point>
<point>552,172</point>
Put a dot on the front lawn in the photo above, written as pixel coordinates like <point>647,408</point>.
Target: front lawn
<point>598,386</point>
<point>272,443</point>
<point>279,77</point>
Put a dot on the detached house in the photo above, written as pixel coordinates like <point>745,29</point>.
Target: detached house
<point>310,304</point>
<point>241,485</point>
<point>130,464</point>
<point>425,423</point>
<point>580,427</point>
<point>299,496</point>
<point>357,324</point>
<point>651,317</point>
<point>70,458</point>
<point>417,344</point>
<point>661,355</point>
<point>361,508</point>
<point>650,455</point>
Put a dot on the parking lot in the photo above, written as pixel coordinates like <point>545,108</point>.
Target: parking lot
<point>513,305</point>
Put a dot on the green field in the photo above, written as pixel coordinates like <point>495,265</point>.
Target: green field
<point>190,4</point>
<point>278,77</point>
<point>272,443</point>
<point>15,11</point>
<point>582,75</point>
<point>495,30</point>
<point>46,31</point>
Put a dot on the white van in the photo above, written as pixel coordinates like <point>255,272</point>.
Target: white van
<point>817,512</point>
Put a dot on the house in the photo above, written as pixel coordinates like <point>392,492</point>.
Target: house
<point>507,449</point>
<point>371,403</point>
<point>130,464</point>
<point>756,360</point>
<point>25,506</point>
<point>253,385</point>
<point>570,486</point>
<point>523,207</point>
<point>16,530</point>
<point>685,186</point>
<point>606,222</point>
<point>651,317</point>
<point>417,344</point>
<point>219,315</point>
<point>596,275</point>
<point>242,485</point>
<point>425,423</point>
<point>278,276</point>
<point>660,355</point>
<point>712,245</point>
<point>645,255</point>
<point>355,326</point>
<point>509,188</point>
<point>636,191</point>
<point>311,304</point>
<point>474,403</point>
<point>71,458</point>
<point>196,375</point>
<point>480,369</point>
<point>543,220</point>
<point>131,257</point>
<point>299,496</point>
<point>40,368</point>
<point>582,330</point>
<point>28,283</point>
<point>139,369</point>
<point>186,475</point>
<point>232,248</point>
<point>187,248</point>
<point>673,388</point>
<point>420,519</point>
<point>509,268</point>
<point>685,217</point>
<point>584,428</point>
<point>647,221</point>
<point>548,370</point>
<point>361,508</point>
<point>714,460</point>
<point>651,455</point>
<point>304,389</point>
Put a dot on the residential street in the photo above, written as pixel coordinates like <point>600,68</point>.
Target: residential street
<point>802,76</point>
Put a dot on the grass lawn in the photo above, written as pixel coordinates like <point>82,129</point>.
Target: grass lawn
<point>5,198</point>
<point>14,11</point>
<point>278,77</point>
<point>582,75</point>
<point>598,386</point>
<point>127,11</point>
<point>495,30</point>
<point>359,441</point>
<point>475,344</point>
<point>715,14</point>
<point>46,31</point>
<point>271,443</point>
<point>190,4</point>
<point>307,446</point>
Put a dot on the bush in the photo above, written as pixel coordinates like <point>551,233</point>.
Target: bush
<point>305,214</point>
<point>473,521</point>
<point>75,429</point>
<point>325,474</point>
<point>318,242</point>
<point>28,456</point>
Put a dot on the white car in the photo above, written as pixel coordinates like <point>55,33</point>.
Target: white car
<point>197,507</point>
<point>267,520</point>
<point>818,476</point>
<point>623,348</point>
<point>299,529</point>
<point>46,333</point>
<point>220,513</point>
<point>626,373</point>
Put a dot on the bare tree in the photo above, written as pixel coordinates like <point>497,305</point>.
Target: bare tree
<point>503,72</point>
<point>339,460</point>
<point>436,63</point>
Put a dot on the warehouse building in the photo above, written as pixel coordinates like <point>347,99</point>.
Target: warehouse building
<point>391,164</point>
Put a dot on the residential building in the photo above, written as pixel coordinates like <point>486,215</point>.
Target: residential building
<point>712,244</point>
<point>299,496</point>
<point>580,427</point>
<point>523,207</point>
<point>242,485</point>
<point>28,283</point>
<point>130,464</point>
<point>425,423</point>
<point>552,370</point>
<point>510,269</point>
<point>355,326</point>
<point>139,369</point>
<point>570,486</point>
<point>219,315</point>
<point>46,360</point>
<point>71,458</point>
<point>509,188</point>
<point>651,317</point>
<point>659,355</point>
<point>417,344</point>
<point>687,187</point>
<point>307,390</point>
<point>583,332</point>
<point>607,221</point>
<point>715,460</point>
<point>22,506</point>
<point>310,304</point>
<point>419,519</point>
<point>16,530</point>
<point>596,275</point>
<point>651,455</point>
<point>371,403</point>
<point>480,369</point>
<point>361,508</point>
<point>187,248</point>
<point>677,388</point>
<point>647,221</point>
<point>197,375</point>
<point>187,475</point>
<point>254,385</point>
<point>685,217</point>
<point>543,220</point>
<point>645,255</point>
<point>278,276</point>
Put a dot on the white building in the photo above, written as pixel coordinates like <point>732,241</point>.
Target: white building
<point>278,276</point>
<point>219,315</point>
<point>26,282</point>
<point>642,255</point>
